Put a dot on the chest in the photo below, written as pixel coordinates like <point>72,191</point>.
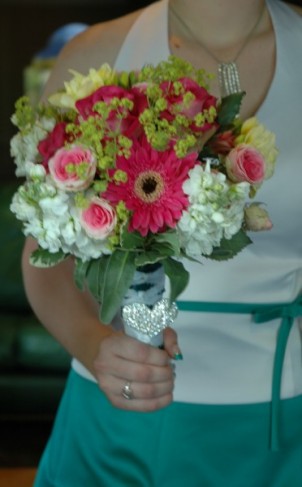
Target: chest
<point>256,67</point>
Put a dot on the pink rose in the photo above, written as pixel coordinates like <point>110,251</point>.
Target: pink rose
<point>99,219</point>
<point>203,100</point>
<point>244,163</point>
<point>54,141</point>
<point>256,218</point>
<point>85,106</point>
<point>72,169</point>
<point>127,125</point>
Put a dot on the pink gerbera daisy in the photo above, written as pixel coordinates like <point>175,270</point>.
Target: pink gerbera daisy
<point>153,191</point>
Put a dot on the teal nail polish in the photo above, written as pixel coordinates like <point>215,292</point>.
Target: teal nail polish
<point>178,356</point>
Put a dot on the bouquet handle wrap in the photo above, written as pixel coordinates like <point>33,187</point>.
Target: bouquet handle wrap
<point>145,312</point>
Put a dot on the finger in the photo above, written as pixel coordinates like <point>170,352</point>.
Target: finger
<point>129,348</point>
<point>141,405</point>
<point>113,386</point>
<point>143,373</point>
<point>171,344</point>
<point>139,352</point>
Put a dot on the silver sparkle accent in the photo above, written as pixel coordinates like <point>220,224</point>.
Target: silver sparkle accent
<point>228,74</point>
<point>150,322</point>
<point>228,78</point>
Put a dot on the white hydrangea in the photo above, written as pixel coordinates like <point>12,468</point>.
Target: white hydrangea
<point>34,171</point>
<point>24,147</point>
<point>216,210</point>
<point>51,217</point>
<point>23,209</point>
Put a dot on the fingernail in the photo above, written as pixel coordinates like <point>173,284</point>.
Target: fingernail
<point>178,355</point>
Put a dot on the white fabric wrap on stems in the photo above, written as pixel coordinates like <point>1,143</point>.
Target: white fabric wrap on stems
<point>145,313</point>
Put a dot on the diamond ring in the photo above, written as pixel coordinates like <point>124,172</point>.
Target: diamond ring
<point>127,392</point>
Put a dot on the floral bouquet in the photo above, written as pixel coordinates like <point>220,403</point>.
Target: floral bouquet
<point>135,169</point>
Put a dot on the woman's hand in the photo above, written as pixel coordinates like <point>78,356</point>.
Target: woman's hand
<point>147,370</point>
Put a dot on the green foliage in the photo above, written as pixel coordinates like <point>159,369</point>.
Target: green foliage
<point>178,276</point>
<point>24,116</point>
<point>118,275</point>
<point>108,279</point>
<point>229,109</point>
<point>149,257</point>
<point>80,271</point>
<point>167,241</point>
<point>229,248</point>
<point>131,240</point>
<point>173,69</point>
<point>44,258</point>
<point>95,277</point>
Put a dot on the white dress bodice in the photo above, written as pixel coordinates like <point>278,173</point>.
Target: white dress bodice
<point>227,358</point>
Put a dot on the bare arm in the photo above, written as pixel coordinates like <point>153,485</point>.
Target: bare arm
<point>90,49</point>
<point>68,313</point>
<point>71,316</point>
<point>60,306</point>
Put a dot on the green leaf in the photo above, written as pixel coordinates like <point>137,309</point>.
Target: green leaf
<point>95,276</point>
<point>178,276</point>
<point>44,258</point>
<point>149,257</point>
<point>229,108</point>
<point>120,268</point>
<point>131,240</point>
<point>79,274</point>
<point>229,248</point>
<point>169,239</point>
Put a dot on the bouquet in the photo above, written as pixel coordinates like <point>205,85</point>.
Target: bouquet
<point>128,169</point>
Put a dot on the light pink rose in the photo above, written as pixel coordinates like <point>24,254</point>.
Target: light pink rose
<point>244,163</point>
<point>72,169</point>
<point>256,218</point>
<point>99,219</point>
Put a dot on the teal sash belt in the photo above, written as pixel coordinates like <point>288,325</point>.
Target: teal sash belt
<point>261,313</point>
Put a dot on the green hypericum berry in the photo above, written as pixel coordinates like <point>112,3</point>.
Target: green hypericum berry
<point>120,176</point>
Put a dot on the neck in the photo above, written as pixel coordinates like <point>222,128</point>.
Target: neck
<point>218,23</point>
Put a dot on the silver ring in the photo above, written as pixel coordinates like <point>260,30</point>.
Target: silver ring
<point>127,391</point>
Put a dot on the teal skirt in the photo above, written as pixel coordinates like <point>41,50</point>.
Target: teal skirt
<point>184,445</point>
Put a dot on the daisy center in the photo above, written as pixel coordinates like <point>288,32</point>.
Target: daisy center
<point>149,186</point>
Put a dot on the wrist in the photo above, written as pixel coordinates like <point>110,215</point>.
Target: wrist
<point>89,343</point>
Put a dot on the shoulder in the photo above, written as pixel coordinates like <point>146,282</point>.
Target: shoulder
<point>98,44</point>
<point>101,42</point>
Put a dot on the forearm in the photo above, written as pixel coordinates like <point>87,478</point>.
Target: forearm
<point>69,314</point>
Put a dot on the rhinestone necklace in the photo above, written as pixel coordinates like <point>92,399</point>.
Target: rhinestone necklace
<point>228,74</point>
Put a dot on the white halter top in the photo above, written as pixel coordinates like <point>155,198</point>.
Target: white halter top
<point>227,358</point>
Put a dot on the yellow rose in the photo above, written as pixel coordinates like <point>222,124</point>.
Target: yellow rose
<point>255,134</point>
<point>81,86</point>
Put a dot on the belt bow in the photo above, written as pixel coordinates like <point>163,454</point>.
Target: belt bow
<point>261,313</point>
